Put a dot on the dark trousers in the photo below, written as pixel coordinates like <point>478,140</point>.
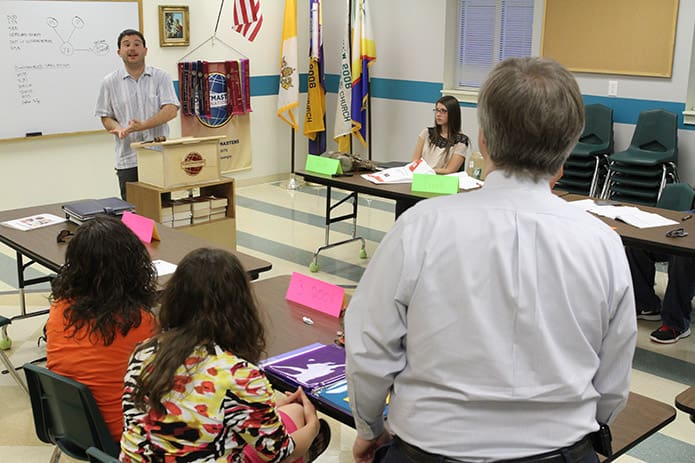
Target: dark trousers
<point>403,205</point>
<point>124,176</point>
<point>676,306</point>
<point>398,452</point>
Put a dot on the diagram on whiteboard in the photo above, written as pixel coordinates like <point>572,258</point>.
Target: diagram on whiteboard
<point>99,47</point>
<point>55,54</point>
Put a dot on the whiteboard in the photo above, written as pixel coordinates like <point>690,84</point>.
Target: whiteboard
<point>55,55</point>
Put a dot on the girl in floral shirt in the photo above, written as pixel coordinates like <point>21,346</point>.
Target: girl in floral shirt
<point>193,392</point>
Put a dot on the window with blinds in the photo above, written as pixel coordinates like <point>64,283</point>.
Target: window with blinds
<point>490,31</point>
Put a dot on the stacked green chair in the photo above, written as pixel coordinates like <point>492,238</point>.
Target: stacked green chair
<point>586,165</point>
<point>639,174</point>
<point>677,197</point>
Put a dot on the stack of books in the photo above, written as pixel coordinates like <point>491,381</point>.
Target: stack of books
<point>200,209</point>
<point>167,214</point>
<point>193,210</point>
<point>176,213</point>
<point>86,209</point>
<point>218,208</point>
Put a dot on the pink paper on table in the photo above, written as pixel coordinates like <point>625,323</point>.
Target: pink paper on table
<point>143,227</point>
<point>316,294</point>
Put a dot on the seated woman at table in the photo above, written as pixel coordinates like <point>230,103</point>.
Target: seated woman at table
<point>443,146</point>
<point>194,393</point>
<point>100,309</point>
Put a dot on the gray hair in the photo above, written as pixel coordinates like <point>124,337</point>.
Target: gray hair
<point>531,113</point>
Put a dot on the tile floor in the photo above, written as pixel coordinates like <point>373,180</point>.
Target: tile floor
<point>285,227</point>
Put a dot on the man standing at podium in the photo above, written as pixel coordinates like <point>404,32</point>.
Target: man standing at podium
<point>135,103</point>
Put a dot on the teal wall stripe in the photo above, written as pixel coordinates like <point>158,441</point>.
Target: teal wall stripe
<point>625,110</point>
<point>407,90</point>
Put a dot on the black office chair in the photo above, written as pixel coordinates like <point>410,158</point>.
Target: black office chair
<point>66,414</point>
<point>97,456</point>
<point>4,322</point>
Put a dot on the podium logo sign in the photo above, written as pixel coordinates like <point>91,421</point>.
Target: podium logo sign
<point>193,163</point>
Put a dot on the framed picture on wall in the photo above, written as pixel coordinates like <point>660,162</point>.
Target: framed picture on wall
<point>174,26</point>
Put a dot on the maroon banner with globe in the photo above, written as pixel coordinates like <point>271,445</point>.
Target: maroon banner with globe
<point>224,118</point>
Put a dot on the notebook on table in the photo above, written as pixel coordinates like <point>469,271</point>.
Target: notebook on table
<point>85,209</point>
<point>319,369</point>
<point>311,367</point>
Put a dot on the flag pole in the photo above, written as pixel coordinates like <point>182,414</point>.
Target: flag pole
<point>369,120</point>
<point>292,183</point>
<point>349,51</point>
<point>218,18</point>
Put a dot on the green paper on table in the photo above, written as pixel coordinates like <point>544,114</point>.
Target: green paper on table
<point>435,184</point>
<point>321,165</point>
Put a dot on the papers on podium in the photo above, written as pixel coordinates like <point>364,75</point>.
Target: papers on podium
<point>631,215</point>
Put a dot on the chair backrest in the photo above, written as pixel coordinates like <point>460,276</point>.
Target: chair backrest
<point>598,126</point>
<point>66,414</point>
<point>676,196</point>
<point>97,456</point>
<point>656,130</point>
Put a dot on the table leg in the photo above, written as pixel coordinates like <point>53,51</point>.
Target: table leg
<point>314,266</point>
<point>5,341</point>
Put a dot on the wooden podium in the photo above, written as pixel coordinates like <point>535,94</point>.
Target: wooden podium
<point>179,162</point>
<point>185,164</point>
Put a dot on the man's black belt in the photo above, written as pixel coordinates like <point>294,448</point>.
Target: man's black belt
<point>570,454</point>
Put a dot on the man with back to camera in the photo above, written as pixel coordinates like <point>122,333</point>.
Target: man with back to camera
<point>501,321</point>
<point>135,103</point>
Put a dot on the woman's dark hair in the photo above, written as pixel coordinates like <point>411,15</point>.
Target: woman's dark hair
<point>207,302</point>
<point>107,279</point>
<point>454,135</point>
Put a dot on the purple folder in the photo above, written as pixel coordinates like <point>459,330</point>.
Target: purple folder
<point>313,366</point>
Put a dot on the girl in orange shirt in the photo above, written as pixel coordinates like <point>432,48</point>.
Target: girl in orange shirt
<point>101,304</point>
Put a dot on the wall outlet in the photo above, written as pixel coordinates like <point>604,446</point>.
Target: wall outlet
<point>612,88</point>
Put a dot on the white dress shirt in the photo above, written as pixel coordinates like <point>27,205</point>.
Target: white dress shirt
<point>502,319</point>
<point>123,98</point>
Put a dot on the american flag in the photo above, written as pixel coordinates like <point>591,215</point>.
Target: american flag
<point>247,18</point>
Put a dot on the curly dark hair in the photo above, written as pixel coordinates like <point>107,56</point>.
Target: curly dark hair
<point>207,301</point>
<point>108,279</point>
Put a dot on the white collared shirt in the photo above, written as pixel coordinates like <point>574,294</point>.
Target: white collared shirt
<point>123,98</point>
<point>503,319</point>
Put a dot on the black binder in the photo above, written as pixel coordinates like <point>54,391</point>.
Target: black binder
<point>86,209</point>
